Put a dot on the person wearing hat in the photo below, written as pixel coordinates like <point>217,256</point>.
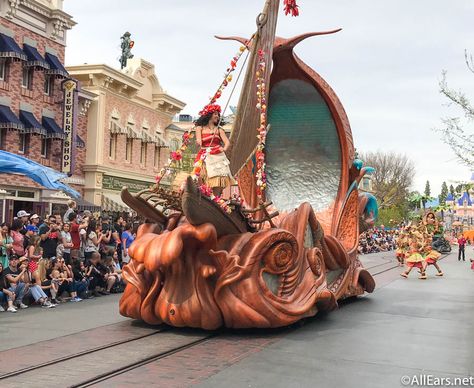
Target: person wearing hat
<point>34,220</point>
<point>23,216</point>
<point>31,230</point>
<point>14,275</point>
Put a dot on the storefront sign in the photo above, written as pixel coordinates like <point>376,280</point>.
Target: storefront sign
<point>70,88</point>
<point>116,183</point>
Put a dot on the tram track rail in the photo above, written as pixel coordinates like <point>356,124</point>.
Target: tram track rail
<point>76,355</point>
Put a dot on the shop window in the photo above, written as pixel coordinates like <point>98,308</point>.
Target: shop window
<point>4,68</point>
<point>27,78</point>
<point>24,140</point>
<point>143,152</point>
<point>113,146</point>
<point>45,146</point>
<point>128,150</point>
<point>156,157</point>
<point>48,85</point>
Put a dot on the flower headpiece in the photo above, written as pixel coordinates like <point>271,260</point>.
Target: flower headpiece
<point>210,108</point>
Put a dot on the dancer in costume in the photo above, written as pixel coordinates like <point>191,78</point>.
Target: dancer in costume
<point>211,163</point>
<point>431,256</point>
<point>414,258</point>
<point>403,245</point>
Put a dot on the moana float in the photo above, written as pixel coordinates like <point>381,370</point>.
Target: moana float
<point>288,247</point>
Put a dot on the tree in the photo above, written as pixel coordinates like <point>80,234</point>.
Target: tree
<point>455,131</point>
<point>427,189</point>
<point>452,191</point>
<point>392,178</point>
<point>444,194</point>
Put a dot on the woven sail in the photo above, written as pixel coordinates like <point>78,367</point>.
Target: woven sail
<point>244,134</point>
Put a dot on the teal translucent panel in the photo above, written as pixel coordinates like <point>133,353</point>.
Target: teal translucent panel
<point>303,149</point>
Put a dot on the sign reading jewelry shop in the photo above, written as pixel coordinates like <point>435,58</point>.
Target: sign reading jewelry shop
<point>69,109</point>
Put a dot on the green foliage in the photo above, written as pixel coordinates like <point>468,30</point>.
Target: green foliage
<point>391,216</point>
<point>444,194</point>
<point>427,189</point>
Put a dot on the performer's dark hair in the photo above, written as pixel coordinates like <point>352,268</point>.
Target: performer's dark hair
<point>203,120</point>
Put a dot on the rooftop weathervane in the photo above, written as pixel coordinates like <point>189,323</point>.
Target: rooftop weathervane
<point>126,45</point>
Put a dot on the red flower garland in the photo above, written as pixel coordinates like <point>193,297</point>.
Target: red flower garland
<point>291,7</point>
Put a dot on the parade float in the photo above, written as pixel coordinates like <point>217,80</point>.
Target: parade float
<point>284,247</point>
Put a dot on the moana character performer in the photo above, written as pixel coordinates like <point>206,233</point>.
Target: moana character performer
<point>414,259</point>
<point>211,163</point>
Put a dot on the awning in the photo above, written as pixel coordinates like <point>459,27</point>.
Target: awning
<point>10,49</point>
<point>79,142</point>
<point>8,119</point>
<point>160,140</point>
<point>146,138</point>
<point>112,202</point>
<point>34,57</point>
<point>82,204</point>
<point>53,130</point>
<point>117,129</point>
<point>31,125</point>
<point>55,66</point>
<point>132,134</point>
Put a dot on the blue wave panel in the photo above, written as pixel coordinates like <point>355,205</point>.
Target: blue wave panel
<point>303,149</point>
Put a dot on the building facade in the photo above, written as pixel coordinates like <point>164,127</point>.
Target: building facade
<point>33,104</point>
<point>128,126</point>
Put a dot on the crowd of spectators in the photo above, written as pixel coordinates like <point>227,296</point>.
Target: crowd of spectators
<point>72,257</point>
<point>378,240</point>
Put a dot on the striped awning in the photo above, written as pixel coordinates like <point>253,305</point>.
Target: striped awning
<point>160,141</point>
<point>146,138</point>
<point>112,202</point>
<point>133,134</point>
<point>31,124</point>
<point>55,66</point>
<point>10,49</point>
<point>116,129</point>
<point>34,57</point>
<point>8,119</point>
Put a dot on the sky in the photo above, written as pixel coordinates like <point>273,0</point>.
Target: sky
<point>385,65</point>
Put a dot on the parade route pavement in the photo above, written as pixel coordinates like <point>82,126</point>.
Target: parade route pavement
<point>407,328</point>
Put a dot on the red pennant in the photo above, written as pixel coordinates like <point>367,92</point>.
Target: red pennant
<point>291,7</point>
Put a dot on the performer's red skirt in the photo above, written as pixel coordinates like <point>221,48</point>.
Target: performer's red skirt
<point>429,260</point>
<point>415,265</point>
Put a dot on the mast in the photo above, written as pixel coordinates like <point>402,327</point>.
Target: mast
<point>244,134</point>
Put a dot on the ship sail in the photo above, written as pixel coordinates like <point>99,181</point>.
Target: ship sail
<point>244,134</point>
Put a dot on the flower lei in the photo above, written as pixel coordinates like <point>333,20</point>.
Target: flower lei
<point>291,7</point>
<point>177,155</point>
<point>262,129</point>
<point>207,191</point>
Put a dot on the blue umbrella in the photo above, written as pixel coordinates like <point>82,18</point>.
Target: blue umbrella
<point>45,176</point>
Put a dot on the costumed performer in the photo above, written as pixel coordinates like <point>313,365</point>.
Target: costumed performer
<point>414,258</point>
<point>403,245</point>
<point>211,163</point>
<point>431,257</point>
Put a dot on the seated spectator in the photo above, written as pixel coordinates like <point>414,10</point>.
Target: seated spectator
<point>35,288</point>
<point>5,294</point>
<point>112,272</point>
<point>99,275</point>
<point>14,275</point>
<point>44,272</point>
<point>63,279</point>
<point>82,281</point>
